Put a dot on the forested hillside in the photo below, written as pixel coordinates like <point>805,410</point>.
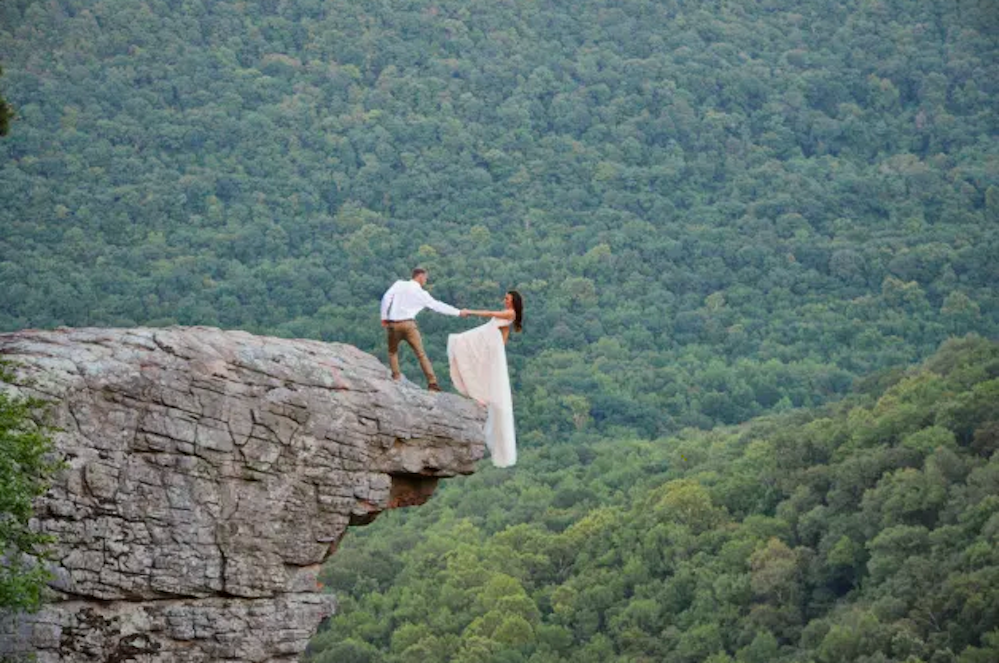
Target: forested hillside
<point>712,208</point>
<point>864,532</point>
<point>715,210</point>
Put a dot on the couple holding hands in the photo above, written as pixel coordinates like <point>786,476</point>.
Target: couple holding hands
<point>477,357</point>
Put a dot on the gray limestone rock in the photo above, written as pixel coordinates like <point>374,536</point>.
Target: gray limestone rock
<point>209,475</point>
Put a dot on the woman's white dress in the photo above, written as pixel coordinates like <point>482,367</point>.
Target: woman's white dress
<point>478,369</point>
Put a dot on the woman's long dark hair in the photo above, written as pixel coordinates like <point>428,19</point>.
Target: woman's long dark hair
<point>518,308</point>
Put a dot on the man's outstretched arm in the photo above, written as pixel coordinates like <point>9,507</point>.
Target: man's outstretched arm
<point>431,303</point>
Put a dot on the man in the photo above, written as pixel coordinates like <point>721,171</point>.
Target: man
<point>400,306</point>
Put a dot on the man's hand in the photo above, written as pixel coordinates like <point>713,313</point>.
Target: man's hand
<point>385,323</point>
<point>463,313</point>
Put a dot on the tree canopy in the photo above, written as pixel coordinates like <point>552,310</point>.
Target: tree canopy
<point>717,211</point>
<point>712,208</point>
<point>860,532</point>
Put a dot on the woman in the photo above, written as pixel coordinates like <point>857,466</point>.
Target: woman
<point>478,369</point>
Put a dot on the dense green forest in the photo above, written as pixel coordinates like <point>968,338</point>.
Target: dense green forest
<point>712,208</point>
<point>718,211</point>
<point>867,531</point>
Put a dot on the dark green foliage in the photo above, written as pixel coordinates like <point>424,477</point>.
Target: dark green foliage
<point>26,468</point>
<point>712,208</point>
<point>865,531</point>
<point>6,114</point>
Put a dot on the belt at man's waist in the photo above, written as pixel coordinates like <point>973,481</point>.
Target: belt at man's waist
<point>392,322</point>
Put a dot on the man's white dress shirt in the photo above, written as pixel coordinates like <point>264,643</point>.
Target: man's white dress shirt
<point>407,298</point>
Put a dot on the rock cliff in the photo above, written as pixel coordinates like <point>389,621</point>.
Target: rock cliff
<point>209,475</point>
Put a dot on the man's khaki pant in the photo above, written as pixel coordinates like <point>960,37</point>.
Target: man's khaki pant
<point>407,331</point>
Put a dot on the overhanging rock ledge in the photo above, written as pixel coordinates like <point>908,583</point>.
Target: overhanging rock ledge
<point>209,475</point>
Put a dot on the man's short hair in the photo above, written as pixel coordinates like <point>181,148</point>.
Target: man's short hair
<point>418,271</point>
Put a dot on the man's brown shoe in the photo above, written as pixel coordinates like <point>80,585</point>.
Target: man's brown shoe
<point>433,387</point>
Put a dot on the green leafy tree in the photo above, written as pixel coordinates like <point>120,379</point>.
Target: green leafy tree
<point>26,469</point>
<point>6,114</point>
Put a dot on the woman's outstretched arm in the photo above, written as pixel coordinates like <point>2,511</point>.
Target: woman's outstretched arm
<point>506,314</point>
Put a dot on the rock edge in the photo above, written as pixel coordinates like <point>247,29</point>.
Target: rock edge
<point>209,475</point>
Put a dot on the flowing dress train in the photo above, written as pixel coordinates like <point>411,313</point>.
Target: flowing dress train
<point>477,359</point>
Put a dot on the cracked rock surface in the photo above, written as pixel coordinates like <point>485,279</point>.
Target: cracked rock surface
<point>209,475</point>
